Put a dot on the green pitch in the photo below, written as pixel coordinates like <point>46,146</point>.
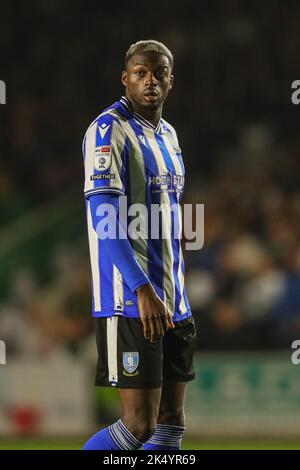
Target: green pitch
<point>75,444</point>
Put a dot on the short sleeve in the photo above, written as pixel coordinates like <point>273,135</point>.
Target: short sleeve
<point>105,152</point>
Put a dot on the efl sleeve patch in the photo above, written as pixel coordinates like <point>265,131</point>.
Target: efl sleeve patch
<point>102,158</point>
<point>105,162</point>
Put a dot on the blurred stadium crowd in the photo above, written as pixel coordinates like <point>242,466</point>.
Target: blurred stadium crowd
<point>234,64</point>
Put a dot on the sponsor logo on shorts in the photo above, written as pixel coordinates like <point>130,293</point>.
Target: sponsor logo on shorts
<point>130,363</point>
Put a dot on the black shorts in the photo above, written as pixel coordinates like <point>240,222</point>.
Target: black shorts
<point>127,360</point>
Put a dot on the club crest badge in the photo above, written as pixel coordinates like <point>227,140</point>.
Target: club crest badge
<point>102,159</point>
<point>130,361</point>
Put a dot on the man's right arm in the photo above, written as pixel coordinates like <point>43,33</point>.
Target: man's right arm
<point>154,314</point>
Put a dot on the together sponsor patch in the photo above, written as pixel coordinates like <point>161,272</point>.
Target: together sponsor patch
<point>104,176</point>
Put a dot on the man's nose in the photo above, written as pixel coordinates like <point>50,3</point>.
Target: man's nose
<point>150,79</point>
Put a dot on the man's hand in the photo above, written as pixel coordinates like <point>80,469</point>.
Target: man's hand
<point>155,317</point>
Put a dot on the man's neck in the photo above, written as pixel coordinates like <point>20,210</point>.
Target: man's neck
<point>151,115</point>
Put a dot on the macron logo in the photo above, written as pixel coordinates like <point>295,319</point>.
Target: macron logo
<point>142,139</point>
<point>103,129</point>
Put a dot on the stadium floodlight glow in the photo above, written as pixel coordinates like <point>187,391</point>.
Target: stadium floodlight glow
<point>2,353</point>
<point>2,92</point>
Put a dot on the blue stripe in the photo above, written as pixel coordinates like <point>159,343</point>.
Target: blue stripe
<point>106,276</point>
<point>124,157</point>
<point>178,153</point>
<point>108,120</point>
<point>122,109</point>
<point>92,280</point>
<point>175,242</point>
<point>154,247</point>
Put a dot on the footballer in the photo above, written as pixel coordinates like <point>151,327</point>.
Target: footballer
<point>145,330</point>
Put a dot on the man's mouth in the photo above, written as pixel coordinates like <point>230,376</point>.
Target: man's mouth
<point>151,93</point>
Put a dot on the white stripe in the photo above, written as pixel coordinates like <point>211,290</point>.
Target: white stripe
<point>112,350</point>
<point>183,307</point>
<point>83,142</point>
<point>172,153</point>
<point>168,255</point>
<point>104,190</point>
<point>117,141</point>
<point>118,290</point>
<point>89,156</point>
<point>94,255</point>
<point>170,130</point>
<point>96,119</point>
<point>142,244</point>
<point>94,122</point>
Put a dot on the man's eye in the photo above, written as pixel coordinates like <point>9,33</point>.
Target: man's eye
<point>140,73</point>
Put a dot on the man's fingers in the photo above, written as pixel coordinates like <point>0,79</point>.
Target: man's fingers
<point>159,327</point>
<point>152,329</point>
<point>170,321</point>
<point>164,322</point>
<point>146,328</point>
<point>147,333</point>
<point>156,328</point>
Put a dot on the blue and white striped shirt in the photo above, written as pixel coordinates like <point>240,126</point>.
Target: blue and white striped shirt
<point>127,155</point>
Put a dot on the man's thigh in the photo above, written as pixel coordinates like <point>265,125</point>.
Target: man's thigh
<point>179,347</point>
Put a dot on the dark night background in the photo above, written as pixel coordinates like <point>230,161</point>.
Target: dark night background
<point>231,105</point>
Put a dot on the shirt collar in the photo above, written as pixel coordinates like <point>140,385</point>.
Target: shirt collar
<point>125,102</point>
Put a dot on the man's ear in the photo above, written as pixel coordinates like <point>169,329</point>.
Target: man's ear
<point>124,78</point>
<point>171,82</point>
